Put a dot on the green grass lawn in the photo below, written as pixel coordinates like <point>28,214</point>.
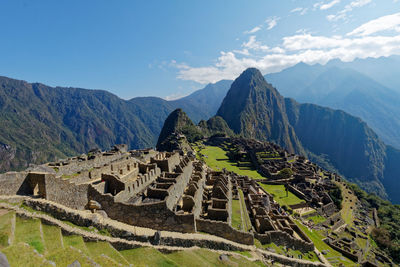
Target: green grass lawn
<point>204,257</point>
<point>66,256</point>
<point>279,194</point>
<point>240,216</point>
<point>236,215</point>
<point>5,228</point>
<point>98,248</point>
<point>316,219</point>
<point>52,238</point>
<point>216,158</point>
<point>28,231</point>
<point>75,241</point>
<point>147,257</point>
<point>246,218</point>
<point>24,255</point>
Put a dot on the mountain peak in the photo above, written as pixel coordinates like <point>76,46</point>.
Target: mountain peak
<point>250,75</point>
<point>177,122</point>
<point>255,109</point>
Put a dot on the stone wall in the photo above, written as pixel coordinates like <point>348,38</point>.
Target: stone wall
<point>296,192</point>
<point>175,193</point>
<point>348,254</point>
<point>281,238</point>
<point>224,230</point>
<point>13,183</point>
<point>154,215</point>
<point>198,197</point>
<point>328,209</point>
<point>166,161</point>
<point>299,206</point>
<point>75,166</point>
<point>66,193</point>
<point>134,187</point>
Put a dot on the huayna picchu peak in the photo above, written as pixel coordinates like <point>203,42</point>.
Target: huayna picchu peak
<point>254,109</point>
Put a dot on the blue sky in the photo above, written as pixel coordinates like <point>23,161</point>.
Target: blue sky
<point>171,48</point>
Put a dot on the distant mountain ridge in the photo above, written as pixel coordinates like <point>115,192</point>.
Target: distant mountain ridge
<point>41,123</point>
<point>332,138</point>
<point>341,85</point>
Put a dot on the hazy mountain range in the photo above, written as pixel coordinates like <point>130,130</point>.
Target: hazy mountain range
<point>352,87</point>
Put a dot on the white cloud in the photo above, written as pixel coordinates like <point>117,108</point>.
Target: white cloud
<point>297,9</point>
<point>329,5</point>
<point>306,48</point>
<point>359,3</point>
<point>254,30</point>
<point>254,44</point>
<point>347,9</point>
<point>300,10</point>
<point>389,22</point>
<point>300,47</point>
<point>272,22</point>
<point>175,96</point>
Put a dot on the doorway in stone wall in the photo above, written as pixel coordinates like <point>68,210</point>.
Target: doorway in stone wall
<point>37,184</point>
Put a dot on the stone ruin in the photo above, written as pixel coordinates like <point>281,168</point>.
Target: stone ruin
<point>270,222</point>
<point>159,190</point>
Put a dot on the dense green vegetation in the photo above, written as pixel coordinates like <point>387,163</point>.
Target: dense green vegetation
<point>387,235</point>
<point>336,196</point>
<point>285,173</point>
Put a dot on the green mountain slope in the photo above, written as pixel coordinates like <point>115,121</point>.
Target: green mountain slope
<point>350,146</point>
<point>40,123</point>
